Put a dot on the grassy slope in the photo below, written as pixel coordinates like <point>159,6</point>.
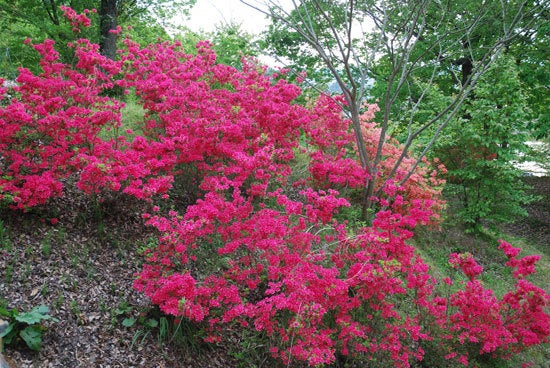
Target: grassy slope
<point>529,234</point>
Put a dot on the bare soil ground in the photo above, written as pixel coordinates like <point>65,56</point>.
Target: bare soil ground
<point>535,227</point>
<point>83,269</point>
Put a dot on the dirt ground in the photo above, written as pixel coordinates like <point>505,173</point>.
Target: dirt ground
<point>535,227</point>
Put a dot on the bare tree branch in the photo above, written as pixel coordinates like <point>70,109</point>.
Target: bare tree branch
<point>407,33</point>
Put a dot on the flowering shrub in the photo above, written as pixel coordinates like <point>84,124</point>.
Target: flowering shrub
<point>473,316</point>
<point>51,128</point>
<point>253,250</point>
<point>292,272</point>
<point>334,162</point>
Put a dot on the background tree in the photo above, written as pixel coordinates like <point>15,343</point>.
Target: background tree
<point>407,47</point>
<point>22,19</point>
<point>115,12</point>
<point>108,22</point>
<point>480,145</point>
<point>230,42</point>
<point>530,54</point>
<point>43,19</point>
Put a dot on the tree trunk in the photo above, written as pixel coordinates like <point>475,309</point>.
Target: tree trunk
<point>367,201</point>
<point>108,22</point>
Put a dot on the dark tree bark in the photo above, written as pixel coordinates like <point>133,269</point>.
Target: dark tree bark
<point>467,68</point>
<point>107,22</point>
<point>51,8</point>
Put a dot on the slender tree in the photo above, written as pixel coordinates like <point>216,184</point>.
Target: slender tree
<point>406,46</point>
<point>482,143</point>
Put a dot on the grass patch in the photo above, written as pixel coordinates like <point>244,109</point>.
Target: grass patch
<point>132,115</point>
<point>435,246</point>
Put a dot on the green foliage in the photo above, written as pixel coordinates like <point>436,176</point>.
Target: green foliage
<point>26,326</point>
<point>479,148</point>
<point>189,39</point>
<point>496,199</point>
<point>182,333</point>
<point>231,43</point>
<point>38,20</point>
<point>146,30</point>
<point>286,42</point>
<point>531,57</point>
<point>157,13</point>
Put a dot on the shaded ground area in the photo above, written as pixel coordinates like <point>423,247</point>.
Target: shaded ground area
<point>536,227</point>
<point>83,269</point>
<point>82,266</point>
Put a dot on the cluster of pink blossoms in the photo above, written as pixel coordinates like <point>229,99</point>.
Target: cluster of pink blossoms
<point>257,248</point>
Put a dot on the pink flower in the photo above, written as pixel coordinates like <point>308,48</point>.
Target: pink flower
<point>466,263</point>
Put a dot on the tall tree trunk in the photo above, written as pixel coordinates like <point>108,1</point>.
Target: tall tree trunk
<point>52,9</point>
<point>108,22</point>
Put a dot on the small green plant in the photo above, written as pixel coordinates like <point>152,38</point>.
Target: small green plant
<point>26,326</point>
<point>8,273</point>
<point>78,255</point>
<point>75,309</point>
<point>147,321</point>
<point>59,301</point>
<point>5,241</point>
<point>51,238</point>
<point>122,309</point>
<point>149,324</point>
<point>251,349</point>
<point>169,330</point>
<point>6,198</point>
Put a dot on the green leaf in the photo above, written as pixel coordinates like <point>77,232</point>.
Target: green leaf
<point>151,322</point>
<point>10,338</point>
<point>35,315</point>
<point>128,322</point>
<point>32,335</point>
<point>10,313</point>
<point>7,330</point>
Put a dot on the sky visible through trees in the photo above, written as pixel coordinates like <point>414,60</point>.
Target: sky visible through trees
<point>207,14</point>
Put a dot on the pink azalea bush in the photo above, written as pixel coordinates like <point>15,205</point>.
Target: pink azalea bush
<point>256,249</point>
<point>334,162</point>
